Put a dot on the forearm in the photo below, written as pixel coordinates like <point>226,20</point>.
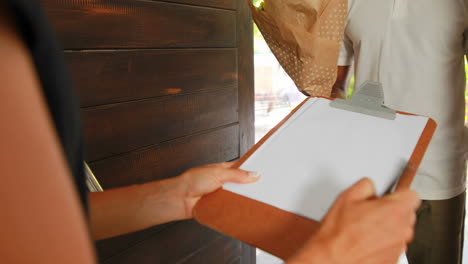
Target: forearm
<point>314,252</point>
<point>124,210</point>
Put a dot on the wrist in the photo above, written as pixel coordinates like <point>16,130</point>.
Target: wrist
<point>316,251</point>
<point>167,198</point>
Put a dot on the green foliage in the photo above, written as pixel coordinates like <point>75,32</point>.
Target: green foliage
<point>466,73</point>
<point>351,87</point>
<point>466,93</point>
<point>257,33</point>
<point>257,2</point>
<point>466,70</point>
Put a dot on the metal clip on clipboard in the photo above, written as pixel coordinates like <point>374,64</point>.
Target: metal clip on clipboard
<point>91,182</point>
<point>368,100</point>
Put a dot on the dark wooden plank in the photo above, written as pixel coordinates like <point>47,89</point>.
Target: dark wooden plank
<point>119,128</point>
<point>112,246</point>
<point>222,251</point>
<point>249,255</point>
<point>246,78</point>
<point>240,261</point>
<point>232,251</point>
<point>169,158</point>
<point>140,24</point>
<point>104,77</point>
<point>169,246</point>
<point>246,96</point>
<point>228,4</point>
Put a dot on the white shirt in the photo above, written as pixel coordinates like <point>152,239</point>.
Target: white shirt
<point>415,48</point>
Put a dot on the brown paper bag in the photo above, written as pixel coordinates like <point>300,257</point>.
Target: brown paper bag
<point>305,36</point>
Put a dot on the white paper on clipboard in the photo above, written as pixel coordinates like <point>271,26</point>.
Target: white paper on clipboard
<point>321,151</point>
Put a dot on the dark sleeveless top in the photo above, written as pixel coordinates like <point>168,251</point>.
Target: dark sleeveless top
<point>63,104</point>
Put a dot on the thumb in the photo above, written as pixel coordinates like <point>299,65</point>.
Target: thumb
<point>237,176</point>
<point>362,190</point>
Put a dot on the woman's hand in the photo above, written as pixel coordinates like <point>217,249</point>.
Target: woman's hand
<point>123,210</point>
<point>361,228</point>
<point>197,182</point>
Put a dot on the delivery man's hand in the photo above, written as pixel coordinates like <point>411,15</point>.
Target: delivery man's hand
<point>360,228</point>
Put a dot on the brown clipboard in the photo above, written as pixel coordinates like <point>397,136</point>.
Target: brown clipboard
<point>271,229</point>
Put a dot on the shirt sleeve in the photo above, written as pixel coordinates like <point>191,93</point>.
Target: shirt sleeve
<point>346,52</point>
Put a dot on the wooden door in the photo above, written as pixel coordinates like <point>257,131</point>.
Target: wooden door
<point>164,86</point>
